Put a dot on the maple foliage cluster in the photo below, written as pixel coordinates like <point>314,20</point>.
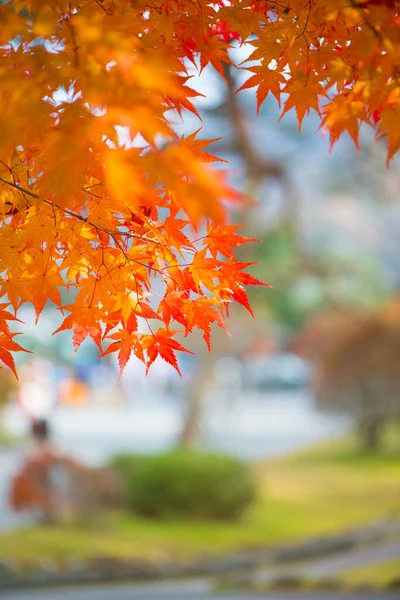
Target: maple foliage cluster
<point>97,192</point>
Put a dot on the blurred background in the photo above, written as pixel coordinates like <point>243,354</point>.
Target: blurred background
<point>297,415</point>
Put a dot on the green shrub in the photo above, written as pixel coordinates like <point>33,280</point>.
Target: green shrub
<point>186,484</point>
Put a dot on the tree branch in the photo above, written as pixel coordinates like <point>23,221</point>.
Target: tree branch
<point>258,167</point>
<point>77,216</point>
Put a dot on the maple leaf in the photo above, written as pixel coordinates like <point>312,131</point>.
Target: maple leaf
<point>222,238</point>
<point>84,322</point>
<point>213,50</point>
<point>63,178</point>
<point>344,114</point>
<point>237,24</point>
<point>197,147</point>
<point>184,102</point>
<point>99,195</point>
<point>389,117</point>
<point>161,344</point>
<point>127,303</point>
<point>6,316</point>
<point>124,178</point>
<point>304,91</point>
<point>202,270</point>
<point>198,190</point>
<point>171,307</point>
<point>126,343</point>
<point>7,345</point>
<point>267,81</point>
<point>232,271</point>
<point>174,235</point>
<point>202,313</point>
<point>240,295</point>
<point>44,288</point>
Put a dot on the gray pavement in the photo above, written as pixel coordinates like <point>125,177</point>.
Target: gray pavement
<point>329,566</point>
<point>184,591</point>
<point>332,565</point>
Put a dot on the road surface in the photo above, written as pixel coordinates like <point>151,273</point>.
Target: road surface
<point>188,591</point>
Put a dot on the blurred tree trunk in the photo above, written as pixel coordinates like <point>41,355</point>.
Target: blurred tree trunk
<point>370,431</point>
<point>196,395</point>
<point>258,169</point>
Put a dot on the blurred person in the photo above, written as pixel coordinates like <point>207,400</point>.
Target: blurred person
<point>56,487</point>
<point>40,431</point>
<point>32,487</point>
<point>36,394</point>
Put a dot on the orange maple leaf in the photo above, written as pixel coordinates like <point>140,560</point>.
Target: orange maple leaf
<point>266,81</point>
<point>222,238</point>
<point>7,345</point>
<point>161,344</point>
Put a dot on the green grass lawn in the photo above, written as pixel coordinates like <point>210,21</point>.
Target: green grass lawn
<point>319,491</point>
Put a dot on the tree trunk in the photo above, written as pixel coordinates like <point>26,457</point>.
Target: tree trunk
<point>258,169</point>
<point>191,430</point>
<point>190,435</point>
<point>370,431</point>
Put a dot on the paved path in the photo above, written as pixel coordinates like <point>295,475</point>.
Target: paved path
<point>333,565</point>
<point>330,566</point>
<point>183,591</point>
